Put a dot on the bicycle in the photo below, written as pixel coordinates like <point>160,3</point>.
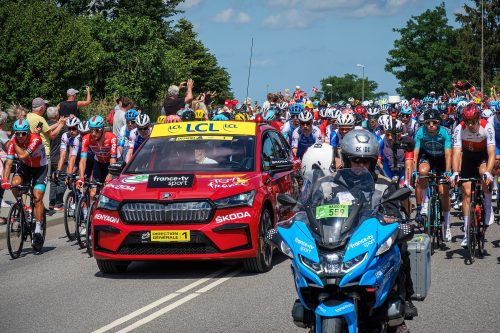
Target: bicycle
<point>70,201</point>
<point>21,223</point>
<point>432,219</point>
<point>477,225</point>
<point>83,211</point>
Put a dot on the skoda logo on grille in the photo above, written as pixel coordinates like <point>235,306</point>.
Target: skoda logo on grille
<point>166,195</point>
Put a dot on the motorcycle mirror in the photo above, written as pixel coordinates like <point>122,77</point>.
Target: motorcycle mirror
<point>405,232</point>
<point>401,194</point>
<point>273,238</point>
<point>286,199</point>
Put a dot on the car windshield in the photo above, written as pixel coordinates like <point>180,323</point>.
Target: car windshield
<point>334,203</point>
<point>195,154</point>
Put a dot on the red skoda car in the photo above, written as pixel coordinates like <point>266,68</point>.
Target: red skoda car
<point>196,190</point>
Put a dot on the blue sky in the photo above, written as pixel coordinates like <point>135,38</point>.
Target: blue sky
<point>299,42</point>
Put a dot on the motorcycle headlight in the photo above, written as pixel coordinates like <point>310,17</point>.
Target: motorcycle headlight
<point>331,263</point>
<point>286,250</point>
<point>354,262</point>
<point>386,245</point>
<point>107,203</point>
<point>314,266</point>
<point>238,200</point>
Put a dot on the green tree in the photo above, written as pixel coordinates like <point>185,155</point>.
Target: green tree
<point>43,52</point>
<point>426,56</point>
<point>469,39</point>
<point>203,66</point>
<point>349,85</point>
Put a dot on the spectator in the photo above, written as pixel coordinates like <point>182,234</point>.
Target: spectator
<point>119,117</point>
<point>4,138</point>
<point>57,188</point>
<point>16,111</point>
<point>71,107</point>
<point>173,102</point>
<point>38,124</point>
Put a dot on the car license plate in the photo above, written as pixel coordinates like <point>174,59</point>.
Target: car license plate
<point>170,235</point>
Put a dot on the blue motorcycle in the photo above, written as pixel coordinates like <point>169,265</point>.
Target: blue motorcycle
<point>345,258</point>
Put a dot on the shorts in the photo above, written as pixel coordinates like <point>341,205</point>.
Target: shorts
<point>100,171</point>
<point>470,169</point>
<point>38,176</point>
<point>437,163</point>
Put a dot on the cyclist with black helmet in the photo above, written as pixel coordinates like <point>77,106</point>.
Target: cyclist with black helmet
<point>474,143</point>
<point>433,152</point>
<point>28,148</point>
<point>306,135</point>
<point>138,135</point>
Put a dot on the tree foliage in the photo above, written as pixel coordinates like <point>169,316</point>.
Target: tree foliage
<point>349,85</point>
<point>426,56</point>
<point>118,47</point>
<point>469,39</point>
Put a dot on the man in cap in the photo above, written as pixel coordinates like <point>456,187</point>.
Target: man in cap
<point>70,107</point>
<point>173,102</point>
<point>38,124</point>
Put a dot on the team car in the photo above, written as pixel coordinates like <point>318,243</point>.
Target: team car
<point>196,191</point>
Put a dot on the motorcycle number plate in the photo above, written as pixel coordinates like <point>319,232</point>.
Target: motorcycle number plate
<point>336,210</point>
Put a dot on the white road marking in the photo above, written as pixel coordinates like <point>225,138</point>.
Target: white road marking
<point>162,300</point>
<point>178,303</point>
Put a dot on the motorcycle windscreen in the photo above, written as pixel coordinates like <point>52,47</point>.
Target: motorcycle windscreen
<point>336,202</point>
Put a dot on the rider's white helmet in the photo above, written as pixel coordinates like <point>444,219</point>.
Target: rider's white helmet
<point>305,116</point>
<point>318,156</point>
<point>346,119</point>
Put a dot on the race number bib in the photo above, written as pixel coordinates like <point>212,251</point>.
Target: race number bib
<point>327,211</point>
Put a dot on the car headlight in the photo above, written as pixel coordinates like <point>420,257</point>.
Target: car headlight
<point>107,203</point>
<point>238,200</point>
<point>354,262</point>
<point>314,266</point>
<point>386,245</point>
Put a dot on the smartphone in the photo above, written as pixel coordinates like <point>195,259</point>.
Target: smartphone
<point>39,125</point>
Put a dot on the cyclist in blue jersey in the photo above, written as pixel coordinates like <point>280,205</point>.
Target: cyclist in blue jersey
<point>123,139</point>
<point>409,123</point>
<point>293,123</point>
<point>138,135</point>
<point>432,152</point>
<point>306,135</point>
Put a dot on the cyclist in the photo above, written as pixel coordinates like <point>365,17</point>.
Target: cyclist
<point>138,135</point>
<point>70,141</point>
<point>408,121</point>
<point>373,113</point>
<point>433,152</point>
<point>30,151</point>
<point>293,123</point>
<point>345,124</point>
<point>104,146</point>
<point>130,116</point>
<point>306,135</point>
<point>474,143</point>
<point>84,129</point>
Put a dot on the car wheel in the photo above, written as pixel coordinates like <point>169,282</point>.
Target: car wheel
<point>112,266</point>
<point>264,260</point>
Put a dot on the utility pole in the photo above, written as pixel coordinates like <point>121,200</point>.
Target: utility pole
<point>362,82</point>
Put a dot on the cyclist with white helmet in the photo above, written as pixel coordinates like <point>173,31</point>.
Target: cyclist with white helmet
<point>123,139</point>
<point>306,135</point>
<point>138,135</point>
<point>345,124</point>
<point>83,129</point>
<point>293,123</point>
<point>373,113</point>
<point>70,142</point>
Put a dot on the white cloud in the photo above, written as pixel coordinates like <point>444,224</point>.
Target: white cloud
<point>292,18</point>
<point>230,15</point>
<point>262,62</point>
<point>187,4</point>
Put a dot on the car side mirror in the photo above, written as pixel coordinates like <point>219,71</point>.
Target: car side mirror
<point>280,164</point>
<point>116,168</point>
<point>286,199</point>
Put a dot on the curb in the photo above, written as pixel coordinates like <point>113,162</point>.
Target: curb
<point>50,223</point>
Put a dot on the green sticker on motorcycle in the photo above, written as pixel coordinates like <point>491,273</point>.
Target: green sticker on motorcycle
<point>327,211</point>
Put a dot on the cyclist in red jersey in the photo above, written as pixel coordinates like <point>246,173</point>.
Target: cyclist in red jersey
<point>104,146</point>
<point>29,149</point>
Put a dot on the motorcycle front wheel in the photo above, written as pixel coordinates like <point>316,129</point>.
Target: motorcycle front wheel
<point>333,325</point>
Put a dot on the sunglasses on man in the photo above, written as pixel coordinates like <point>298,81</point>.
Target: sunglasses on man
<point>21,134</point>
<point>360,160</point>
<point>432,122</point>
<point>306,123</point>
<point>142,129</point>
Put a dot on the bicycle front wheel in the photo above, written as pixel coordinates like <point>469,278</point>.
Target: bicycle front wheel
<point>15,231</point>
<point>471,233</point>
<point>69,216</point>
<point>81,217</point>
<point>88,238</point>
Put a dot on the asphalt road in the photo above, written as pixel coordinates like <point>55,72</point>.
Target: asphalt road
<point>62,290</point>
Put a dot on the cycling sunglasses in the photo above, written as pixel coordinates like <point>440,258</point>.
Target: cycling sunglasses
<point>405,116</point>
<point>295,117</point>
<point>302,123</point>
<point>360,160</point>
<point>142,128</point>
<point>471,122</point>
<point>432,122</point>
<point>72,128</point>
<point>131,122</point>
<point>21,134</point>
<point>96,130</point>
